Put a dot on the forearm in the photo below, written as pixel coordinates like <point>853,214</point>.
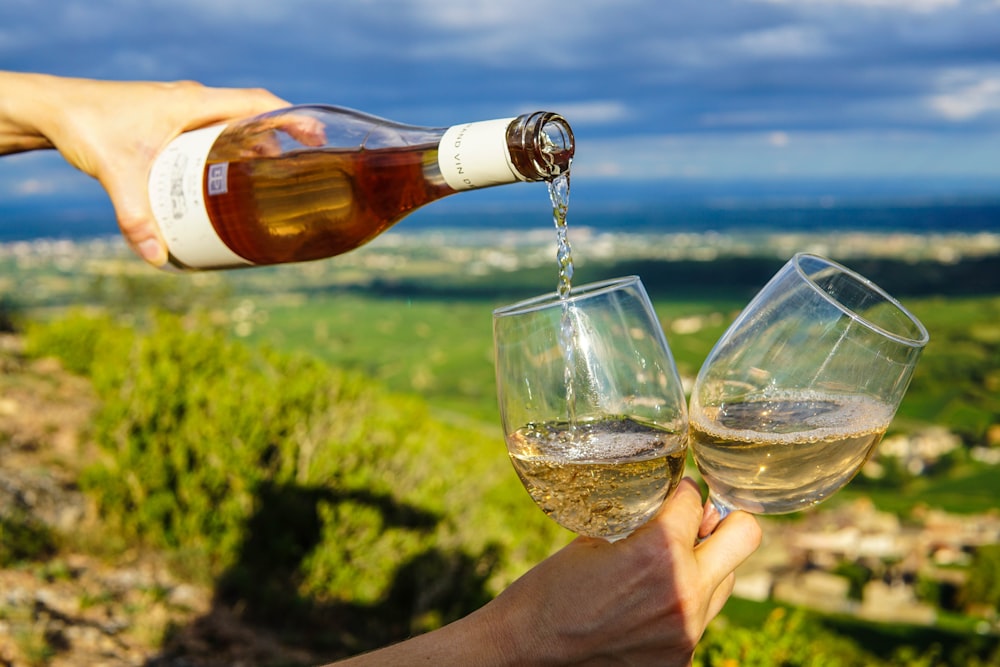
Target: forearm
<point>485,638</point>
<point>24,109</point>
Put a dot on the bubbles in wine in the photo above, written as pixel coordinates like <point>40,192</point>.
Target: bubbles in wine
<point>602,478</point>
<point>786,451</point>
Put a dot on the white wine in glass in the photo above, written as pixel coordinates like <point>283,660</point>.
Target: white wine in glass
<point>592,407</point>
<point>797,393</point>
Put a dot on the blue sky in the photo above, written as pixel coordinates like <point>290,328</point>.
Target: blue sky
<point>680,93</point>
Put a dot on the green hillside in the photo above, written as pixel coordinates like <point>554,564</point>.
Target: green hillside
<point>269,427</point>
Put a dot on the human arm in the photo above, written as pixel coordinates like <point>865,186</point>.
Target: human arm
<point>645,600</point>
<point>113,130</point>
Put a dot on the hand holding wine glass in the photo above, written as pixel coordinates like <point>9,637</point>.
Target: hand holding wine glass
<point>592,407</point>
<point>797,393</point>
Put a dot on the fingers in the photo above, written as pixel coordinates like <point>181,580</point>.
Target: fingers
<point>125,178</point>
<point>682,513</point>
<point>135,219</point>
<point>709,520</point>
<point>720,596</point>
<point>730,544</point>
<point>220,104</point>
<point>305,129</point>
<point>262,139</point>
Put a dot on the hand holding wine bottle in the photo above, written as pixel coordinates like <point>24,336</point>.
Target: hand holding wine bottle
<point>209,178</point>
<point>113,131</point>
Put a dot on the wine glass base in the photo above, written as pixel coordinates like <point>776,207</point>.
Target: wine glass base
<point>716,511</point>
<point>722,508</point>
<point>615,538</point>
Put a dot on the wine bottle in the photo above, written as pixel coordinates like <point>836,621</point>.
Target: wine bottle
<point>310,182</point>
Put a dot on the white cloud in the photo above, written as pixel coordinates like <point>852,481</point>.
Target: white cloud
<point>759,79</point>
<point>527,33</point>
<point>919,6</point>
<point>778,139</point>
<point>41,174</point>
<point>240,10</point>
<point>473,14</point>
<point>751,155</point>
<point>969,96</point>
<point>784,41</point>
<point>595,112</point>
<point>749,118</point>
<point>33,186</point>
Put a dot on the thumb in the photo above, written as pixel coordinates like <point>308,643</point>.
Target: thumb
<point>128,193</point>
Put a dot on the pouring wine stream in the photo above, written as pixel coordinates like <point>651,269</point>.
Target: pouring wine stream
<point>559,195</point>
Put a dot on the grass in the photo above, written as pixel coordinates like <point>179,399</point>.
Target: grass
<point>439,345</point>
<point>441,348</point>
<point>967,488</point>
<point>952,634</point>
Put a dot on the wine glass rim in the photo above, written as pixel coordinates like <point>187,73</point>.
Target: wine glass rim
<point>576,294</point>
<point>922,336</point>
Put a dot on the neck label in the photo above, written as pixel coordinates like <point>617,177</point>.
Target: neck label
<point>475,155</point>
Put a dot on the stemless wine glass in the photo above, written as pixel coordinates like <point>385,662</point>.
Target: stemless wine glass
<point>797,393</point>
<point>592,408</point>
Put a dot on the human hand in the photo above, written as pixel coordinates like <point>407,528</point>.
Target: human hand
<point>113,130</point>
<point>645,600</point>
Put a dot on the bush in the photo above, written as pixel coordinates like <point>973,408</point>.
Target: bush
<point>24,539</point>
<point>79,340</point>
<point>795,638</point>
<point>303,490</point>
<point>983,584</point>
<point>10,314</point>
<point>788,639</point>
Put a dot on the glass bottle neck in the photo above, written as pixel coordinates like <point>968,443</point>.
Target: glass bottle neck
<point>532,147</point>
<point>541,145</point>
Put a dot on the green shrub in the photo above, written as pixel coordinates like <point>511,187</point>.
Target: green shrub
<point>77,339</point>
<point>785,639</point>
<point>299,487</point>
<point>798,638</point>
<point>792,638</point>
<point>23,539</point>
<point>983,585</point>
<point>10,314</point>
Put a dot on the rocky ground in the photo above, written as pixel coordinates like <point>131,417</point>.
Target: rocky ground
<point>68,596</point>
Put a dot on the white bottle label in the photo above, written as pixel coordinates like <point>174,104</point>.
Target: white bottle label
<point>475,155</point>
<point>178,203</point>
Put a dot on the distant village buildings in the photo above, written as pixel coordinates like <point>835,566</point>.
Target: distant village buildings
<point>805,561</point>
